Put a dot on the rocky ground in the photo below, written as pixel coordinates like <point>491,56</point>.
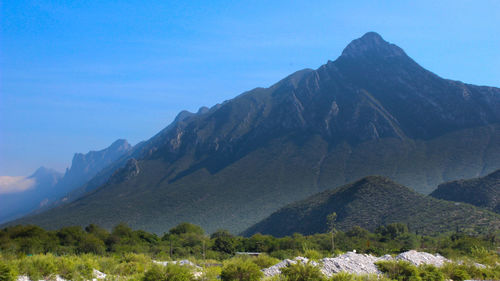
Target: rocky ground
<point>355,263</point>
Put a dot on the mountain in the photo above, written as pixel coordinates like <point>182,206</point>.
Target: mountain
<point>131,153</point>
<point>374,201</point>
<point>371,111</point>
<point>482,192</point>
<point>20,202</point>
<point>49,185</point>
<point>84,167</point>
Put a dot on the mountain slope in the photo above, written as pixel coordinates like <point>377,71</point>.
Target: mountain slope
<point>85,167</point>
<point>374,201</point>
<point>371,111</point>
<point>50,185</point>
<point>16,204</point>
<point>483,192</point>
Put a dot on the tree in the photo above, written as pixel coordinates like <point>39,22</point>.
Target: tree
<point>186,227</point>
<point>330,222</point>
<point>223,242</point>
<point>91,244</point>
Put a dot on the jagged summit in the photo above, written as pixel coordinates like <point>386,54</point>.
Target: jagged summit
<point>44,171</point>
<point>120,143</point>
<point>371,44</point>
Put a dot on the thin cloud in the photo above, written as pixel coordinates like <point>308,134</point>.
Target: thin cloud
<point>15,184</point>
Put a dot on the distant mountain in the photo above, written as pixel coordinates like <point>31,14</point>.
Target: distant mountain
<point>482,192</point>
<point>85,166</point>
<point>371,111</point>
<point>49,185</point>
<point>137,151</point>
<point>18,203</point>
<point>374,201</point>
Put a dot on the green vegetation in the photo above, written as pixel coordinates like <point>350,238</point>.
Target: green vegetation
<point>170,272</point>
<point>238,162</point>
<point>371,202</point>
<point>73,253</point>
<point>241,270</point>
<point>482,192</point>
<point>277,172</point>
<point>302,272</point>
<point>404,271</point>
<point>6,272</point>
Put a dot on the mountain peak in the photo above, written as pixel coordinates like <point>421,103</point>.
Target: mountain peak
<point>43,172</point>
<point>120,144</point>
<point>371,44</point>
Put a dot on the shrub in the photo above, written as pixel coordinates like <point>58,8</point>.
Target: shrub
<point>241,270</point>
<point>171,272</point>
<point>302,272</point>
<point>264,261</point>
<point>344,276</point>
<point>459,275</point>
<point>38,267</point>
<point>66,268</point>
<point>153,274</point>
<point>210,274</point>
<point>285,254</point>
<point>400,270</point>
<point>6,272</point>
<point>455,272</point>
<point>312,254</point>
<point>430,273</point>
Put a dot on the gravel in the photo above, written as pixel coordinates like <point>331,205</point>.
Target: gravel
<point>350,262</point>
<point>418,258</point>
<point>355,263</point>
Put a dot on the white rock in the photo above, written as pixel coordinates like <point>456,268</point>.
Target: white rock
<point>355,263</point>
<point>98,275</point>
<point>418,258</point>
<point>276,269</point>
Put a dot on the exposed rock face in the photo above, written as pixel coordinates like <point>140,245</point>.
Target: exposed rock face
<point>85,166</point>
<point>371,111</point>
<point>130,170</point>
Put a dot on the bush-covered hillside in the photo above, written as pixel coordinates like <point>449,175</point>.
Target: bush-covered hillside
<point>374,201</point>
<point>482,192</point>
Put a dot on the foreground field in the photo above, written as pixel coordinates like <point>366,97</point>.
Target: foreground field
<point>263,267</point>
<point>73,253</point>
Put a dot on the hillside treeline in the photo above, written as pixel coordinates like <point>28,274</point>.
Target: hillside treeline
<point>188,240</point>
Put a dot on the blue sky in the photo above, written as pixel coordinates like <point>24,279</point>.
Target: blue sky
<point>77,75</point>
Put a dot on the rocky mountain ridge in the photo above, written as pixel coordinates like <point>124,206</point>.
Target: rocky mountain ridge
<point>371,111</point>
